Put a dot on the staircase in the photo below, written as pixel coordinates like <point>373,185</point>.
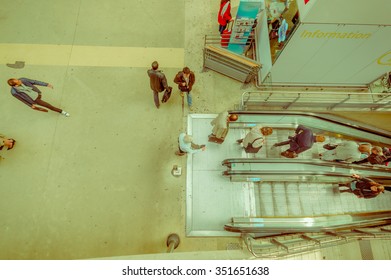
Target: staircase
<point>282,246</point>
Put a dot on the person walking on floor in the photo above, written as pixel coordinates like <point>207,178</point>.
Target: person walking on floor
<point>255,138</point>
<point>185,80</point>
<point>26,91</point>
<point>158,83</point>
<point>362,187</point>
<point>303,140</point>
<point>224,15</point>
<point>220,126</point>
<point>186,145</point>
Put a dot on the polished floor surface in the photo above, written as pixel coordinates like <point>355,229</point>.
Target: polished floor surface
<point>99,183</point>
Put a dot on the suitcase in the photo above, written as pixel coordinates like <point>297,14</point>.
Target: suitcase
<point>167,95</point>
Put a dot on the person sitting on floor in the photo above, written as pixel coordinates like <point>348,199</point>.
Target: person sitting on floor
<point>303,140</point>
<point>255,138</point>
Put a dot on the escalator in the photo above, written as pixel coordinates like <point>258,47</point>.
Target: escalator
<point>301,195</point>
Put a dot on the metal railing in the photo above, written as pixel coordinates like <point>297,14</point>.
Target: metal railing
<point>310,100</point>
<point>222,60</point>
<point>295,244</point>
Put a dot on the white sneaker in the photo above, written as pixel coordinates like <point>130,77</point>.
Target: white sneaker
<point>65,113</point>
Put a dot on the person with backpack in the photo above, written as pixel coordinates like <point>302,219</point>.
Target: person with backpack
<point>255,138</point>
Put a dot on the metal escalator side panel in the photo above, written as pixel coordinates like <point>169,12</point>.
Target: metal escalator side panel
<point>302,170</point>
<point>308,224</point>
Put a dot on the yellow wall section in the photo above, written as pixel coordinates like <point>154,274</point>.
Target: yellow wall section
<point>68,55</point>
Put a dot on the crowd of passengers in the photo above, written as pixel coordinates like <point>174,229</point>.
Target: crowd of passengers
<point>302,140</point>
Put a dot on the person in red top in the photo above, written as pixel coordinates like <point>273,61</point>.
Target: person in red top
<point>224,15</point>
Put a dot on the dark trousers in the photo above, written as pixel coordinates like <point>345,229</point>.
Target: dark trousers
<point>42,103</point>
<point>222,28</point>
<point>282,143</point>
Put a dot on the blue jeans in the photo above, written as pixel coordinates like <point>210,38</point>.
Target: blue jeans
<point>189,98</point>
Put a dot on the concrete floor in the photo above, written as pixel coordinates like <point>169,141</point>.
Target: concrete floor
<point>98,183</point>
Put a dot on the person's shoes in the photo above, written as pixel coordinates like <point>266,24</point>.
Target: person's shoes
<point>289,154</point>
<point>240,141</point>
<point>65,113</point>
<point>158,106</point>
<point>178,153</point>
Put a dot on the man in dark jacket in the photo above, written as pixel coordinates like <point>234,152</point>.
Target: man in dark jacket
<point>362,187</point>
<point>26,91</point>
<point>303,140</point>
<point>158,83</point>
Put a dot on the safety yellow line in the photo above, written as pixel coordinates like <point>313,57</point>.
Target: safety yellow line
<point>98,56</point>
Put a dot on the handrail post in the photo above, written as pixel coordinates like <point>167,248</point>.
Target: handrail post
<point>172,242</point>
<point>341,102</point>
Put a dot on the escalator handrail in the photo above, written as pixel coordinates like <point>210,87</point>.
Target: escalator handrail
<point>357,219</point>
<point>333,119</point>
<point>317,162</point>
